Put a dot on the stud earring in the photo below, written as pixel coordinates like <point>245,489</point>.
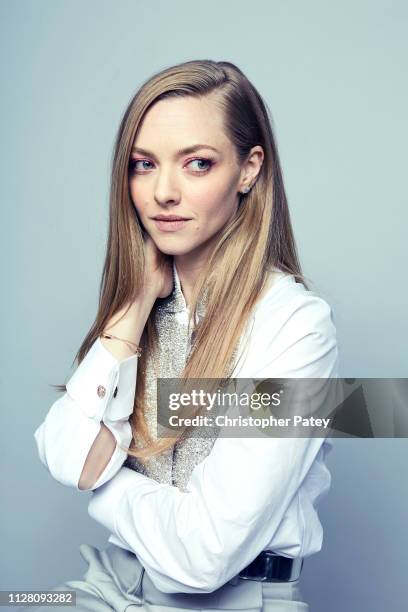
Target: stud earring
<point>245,189</point>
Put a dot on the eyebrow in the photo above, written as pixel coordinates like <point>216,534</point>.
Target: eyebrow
<point>179,152</point>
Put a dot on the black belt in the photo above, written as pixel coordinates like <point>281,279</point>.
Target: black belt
<point>269,566</point>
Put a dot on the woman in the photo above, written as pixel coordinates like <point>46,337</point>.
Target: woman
<point>201,280</point>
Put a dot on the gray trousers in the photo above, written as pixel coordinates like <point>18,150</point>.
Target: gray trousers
<point>116,580</point>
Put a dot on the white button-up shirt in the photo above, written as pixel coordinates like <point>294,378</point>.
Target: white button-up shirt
<point>245,496</point>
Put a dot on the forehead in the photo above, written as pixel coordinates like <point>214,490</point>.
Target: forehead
<point>182,122</point>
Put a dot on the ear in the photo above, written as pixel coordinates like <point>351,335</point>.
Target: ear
<point>251,168</point>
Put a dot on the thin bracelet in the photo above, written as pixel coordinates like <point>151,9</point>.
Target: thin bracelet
<point>138,350</point>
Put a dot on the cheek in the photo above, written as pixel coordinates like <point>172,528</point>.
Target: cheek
<point>138,197</point>
<point>215,204</point>
<point>208,194</point>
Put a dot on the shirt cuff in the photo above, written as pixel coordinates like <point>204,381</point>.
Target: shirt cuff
<point>100,378</point>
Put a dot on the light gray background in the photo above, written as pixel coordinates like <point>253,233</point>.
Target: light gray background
<point>333,74</point>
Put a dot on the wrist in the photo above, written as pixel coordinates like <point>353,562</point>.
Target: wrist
<point>130,321</point>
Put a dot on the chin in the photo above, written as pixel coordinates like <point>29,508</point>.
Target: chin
<point>173,249</point>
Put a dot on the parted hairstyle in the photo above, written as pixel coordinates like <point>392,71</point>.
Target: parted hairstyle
<point>256,239</point>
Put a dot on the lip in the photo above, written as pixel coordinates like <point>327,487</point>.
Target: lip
<point>170,218</point>
<point>170,226</point>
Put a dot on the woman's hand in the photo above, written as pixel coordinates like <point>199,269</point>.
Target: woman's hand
<point>158,270</point>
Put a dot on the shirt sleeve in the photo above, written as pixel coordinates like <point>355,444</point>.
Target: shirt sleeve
<point>102,388</point>
<point>194,541</point>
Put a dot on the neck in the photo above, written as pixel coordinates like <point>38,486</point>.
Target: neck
<point>189,266</point>
<point>188,270</point>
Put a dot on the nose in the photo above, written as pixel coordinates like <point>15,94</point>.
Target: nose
<point>166,190</point>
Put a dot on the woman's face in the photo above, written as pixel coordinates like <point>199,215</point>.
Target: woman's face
<point>200,184</point>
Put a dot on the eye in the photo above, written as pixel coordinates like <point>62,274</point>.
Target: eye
<point>133,167</point>
<point>200,161</point>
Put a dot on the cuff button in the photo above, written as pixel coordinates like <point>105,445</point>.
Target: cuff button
<point>101,391</point>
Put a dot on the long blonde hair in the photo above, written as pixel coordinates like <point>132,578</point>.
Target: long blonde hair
<point>258,238</point>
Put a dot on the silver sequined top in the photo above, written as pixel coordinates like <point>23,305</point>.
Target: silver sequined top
<point>173,466</point>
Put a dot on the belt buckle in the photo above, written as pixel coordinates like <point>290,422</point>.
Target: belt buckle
<point>294,574</point>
